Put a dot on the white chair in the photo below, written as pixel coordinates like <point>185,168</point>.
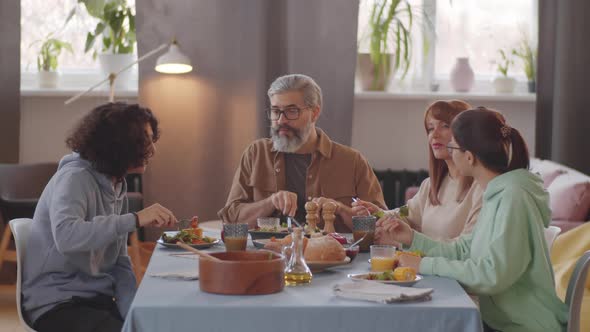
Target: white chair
<point>575,292</point>
<point>20,230</point>
<point>551,234</point>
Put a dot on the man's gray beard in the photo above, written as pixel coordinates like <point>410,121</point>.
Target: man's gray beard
<point>290,144</point>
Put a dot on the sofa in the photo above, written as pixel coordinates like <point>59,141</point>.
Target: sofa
<point>569,192</point>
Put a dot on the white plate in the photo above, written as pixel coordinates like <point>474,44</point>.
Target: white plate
<point>176,246</point>
<point>363,276</point>
<point>318,266</point>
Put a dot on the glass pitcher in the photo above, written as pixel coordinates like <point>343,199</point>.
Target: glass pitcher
<point>296,272</point>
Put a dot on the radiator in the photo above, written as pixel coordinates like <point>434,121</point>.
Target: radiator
<point>394,184</point>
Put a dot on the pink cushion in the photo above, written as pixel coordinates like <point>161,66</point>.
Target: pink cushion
<point>570,196</point>
<point>548,170</point>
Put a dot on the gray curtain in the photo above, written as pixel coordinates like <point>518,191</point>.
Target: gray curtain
<point>237,47</point>
<point>10,82</point>
<point>317,38</point>
<point>563,116</point>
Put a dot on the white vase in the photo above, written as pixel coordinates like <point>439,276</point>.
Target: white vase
<point>47,79</point>
<point>503,84</point>
<point>112,63</point>
<point>462,76</point>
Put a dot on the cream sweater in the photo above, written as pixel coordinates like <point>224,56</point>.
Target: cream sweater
<point>450,219</point>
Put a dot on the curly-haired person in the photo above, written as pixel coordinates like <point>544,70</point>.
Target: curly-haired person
<point>77,275</point>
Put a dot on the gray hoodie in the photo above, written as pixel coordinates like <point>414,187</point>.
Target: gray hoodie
<point>78,241</point>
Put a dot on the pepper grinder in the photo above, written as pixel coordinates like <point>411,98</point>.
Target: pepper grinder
<point>328,214</point>
<point>312,215</point>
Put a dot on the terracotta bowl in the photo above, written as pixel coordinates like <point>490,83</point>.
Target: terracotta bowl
<point>243,273</point>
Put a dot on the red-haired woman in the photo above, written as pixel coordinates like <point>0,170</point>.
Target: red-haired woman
<point>447,204</point>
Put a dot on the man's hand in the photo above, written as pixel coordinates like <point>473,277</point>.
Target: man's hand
<point>285,201</point>
<point>156,215</point>
<point>390,230</point>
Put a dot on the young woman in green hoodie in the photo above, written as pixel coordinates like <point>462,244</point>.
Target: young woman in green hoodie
<point>505,260</point>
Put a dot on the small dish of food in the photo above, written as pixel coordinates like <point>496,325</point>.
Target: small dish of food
<point>170,240</point>
<point>401,276</point>
<point>267,233</point>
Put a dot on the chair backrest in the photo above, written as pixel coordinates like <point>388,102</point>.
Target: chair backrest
<point>575,292</point>
<point>20,229</point>
<point>21,186</point>
<point>551,234</point>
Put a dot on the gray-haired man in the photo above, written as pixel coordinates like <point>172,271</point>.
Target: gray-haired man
<point>298,163</point>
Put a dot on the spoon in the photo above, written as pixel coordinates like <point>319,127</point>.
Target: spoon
<point>357,241</point>
<point>198,252</point>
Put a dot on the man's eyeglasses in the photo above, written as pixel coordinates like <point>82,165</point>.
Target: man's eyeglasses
<point>290,113</point>
<point>451,148</point>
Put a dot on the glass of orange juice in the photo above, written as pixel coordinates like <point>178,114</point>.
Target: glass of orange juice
<point>382,258</point>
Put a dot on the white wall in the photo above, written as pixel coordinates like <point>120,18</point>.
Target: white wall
<point>390,132</point>
<point>46,122</point>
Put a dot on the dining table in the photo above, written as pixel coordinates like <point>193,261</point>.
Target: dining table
<point>165,304</point>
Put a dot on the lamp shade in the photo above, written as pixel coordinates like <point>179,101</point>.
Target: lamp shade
<point>173,62</point>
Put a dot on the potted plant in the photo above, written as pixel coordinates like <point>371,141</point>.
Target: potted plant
<point>116,31</point>
<point>504,83</point>
<point>47,60</point>
<point>529,60</point>
<point>389,33</point>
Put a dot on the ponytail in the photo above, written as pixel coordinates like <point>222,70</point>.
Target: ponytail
<point>519,157</point>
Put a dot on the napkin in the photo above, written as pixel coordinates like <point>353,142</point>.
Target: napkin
<point>177,275</point>
<point>382,293</point>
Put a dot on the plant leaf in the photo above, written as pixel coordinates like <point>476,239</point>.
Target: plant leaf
<point>70,15</point>
<point>94,7</point>
<point>90,38</point>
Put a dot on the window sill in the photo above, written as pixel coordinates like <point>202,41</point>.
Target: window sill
<point>426,95</point>
<point>70,84</point>
<point>71,91</point>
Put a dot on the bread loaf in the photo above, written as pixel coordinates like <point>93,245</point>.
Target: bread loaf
<point>278,244</point>
<point>324,248</point>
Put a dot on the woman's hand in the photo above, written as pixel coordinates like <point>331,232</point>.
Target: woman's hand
<point>361,208</point>
<point>156,215</point>
<point>412,261</point>
<point>390,230</point>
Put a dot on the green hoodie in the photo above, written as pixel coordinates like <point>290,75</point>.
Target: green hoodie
<point>505,260</point>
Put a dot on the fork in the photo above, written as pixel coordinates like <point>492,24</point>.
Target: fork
<point>289,225</point>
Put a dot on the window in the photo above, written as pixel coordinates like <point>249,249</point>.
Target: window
<point>462,28</point>
<point>41,17</point>
<point>478,29</point>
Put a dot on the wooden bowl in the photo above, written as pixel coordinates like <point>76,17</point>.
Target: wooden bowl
<point>242,273</point>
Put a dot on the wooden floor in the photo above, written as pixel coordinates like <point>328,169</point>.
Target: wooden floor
<point>8,316</point>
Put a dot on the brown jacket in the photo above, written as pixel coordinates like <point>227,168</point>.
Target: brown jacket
<point>336,171</point>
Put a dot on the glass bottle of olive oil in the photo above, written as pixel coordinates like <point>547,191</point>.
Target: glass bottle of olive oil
<point>297,272</point>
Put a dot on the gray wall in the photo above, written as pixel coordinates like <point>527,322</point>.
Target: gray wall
<point>10,82</point>
<point>209,116</point>
<point>317,38</point>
